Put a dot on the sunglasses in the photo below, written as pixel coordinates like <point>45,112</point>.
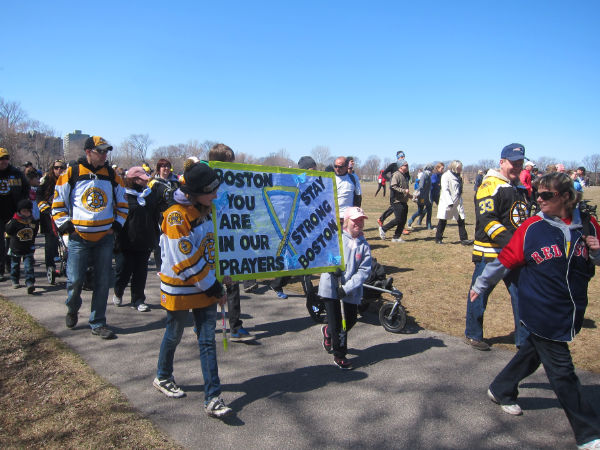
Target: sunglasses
<point>4,158</point>
<point>101,152</point>
<point>547,195</point>
<point>59,167</point>
<point>338,167</point>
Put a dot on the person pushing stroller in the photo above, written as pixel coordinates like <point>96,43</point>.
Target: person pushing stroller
<point>345,286</point>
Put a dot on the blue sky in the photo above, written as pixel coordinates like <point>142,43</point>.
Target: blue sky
<point>441,80</point>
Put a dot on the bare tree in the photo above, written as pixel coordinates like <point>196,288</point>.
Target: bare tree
<point>592,164</point>
<point>140,144</point>
<point>544,161</point>
<point>321,155</point>
<point>370,169</point>
<point>281,158</point>
<point>13,120</point>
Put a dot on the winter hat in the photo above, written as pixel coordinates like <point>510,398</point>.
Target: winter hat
<point>200,179</point>
<point>24,204</point>
<point>137,172</point>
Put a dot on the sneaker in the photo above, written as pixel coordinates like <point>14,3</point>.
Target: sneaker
<point>409,226</point>
<point>30,289</point>
<point>216,408</point>
<point>142,307</point>
<point>342,363</point>
<point>71,320</point>
<point>466,242</point>
<point>379,222</point>
<point>398,240</point>
<point>117,301</point>
<point>595,444</point>
<point>438,241</point>
<point>479,345</point>
<point>241,334</point>
<point>381,233</point>
<point>406,231</point>
<point>281,294</point>
<point>326,339</point>
<point>104,332</point>
<point>514,409</point>
<point>168,387</point>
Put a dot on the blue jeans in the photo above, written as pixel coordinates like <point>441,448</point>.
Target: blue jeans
<point>204,320</point>
<point>15,269</point>
<point>475,310</point>
<point>80,252</point>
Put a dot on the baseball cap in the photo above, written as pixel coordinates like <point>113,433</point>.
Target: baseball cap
<point>354,212</point>
<point>137,172</point>
<point>513,152</point>
<point>530,163</point>
<point>3,152</point>
<point>96,142</point>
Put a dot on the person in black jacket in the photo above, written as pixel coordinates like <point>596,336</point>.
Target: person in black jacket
<point>21,232</point>
<point>13,187</point>
<point>136,240</point>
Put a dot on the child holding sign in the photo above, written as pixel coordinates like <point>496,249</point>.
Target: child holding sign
<point>345,286</point>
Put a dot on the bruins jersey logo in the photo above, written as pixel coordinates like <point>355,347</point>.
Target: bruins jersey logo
<point>518,213</point>
<point>185,246</point>
<point>207,249</point>
<point>175,218</point>
<point>94,199</point>
<point>55,193</point>
<point>4,187</point>
<point>25,234</point>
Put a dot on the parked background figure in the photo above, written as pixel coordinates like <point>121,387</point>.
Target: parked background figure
<point>44,196</point>
<point>163,184</point>
<point>451,203</point>
<point>13,188</point>
<point>381,183</point>
<point>553,296</point>
<point>135,242</point>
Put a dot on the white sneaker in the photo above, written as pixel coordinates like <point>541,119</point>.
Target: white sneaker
<point>595,444</point>
<point>398,240</point>
<point>513,410</point>
<point>168,387</point>
<point>117,301</point>
<point>142,307</point>
<point>216,408</point>
<point>381,234</point>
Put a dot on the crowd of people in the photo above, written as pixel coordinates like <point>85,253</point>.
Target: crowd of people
<point>105,212</point>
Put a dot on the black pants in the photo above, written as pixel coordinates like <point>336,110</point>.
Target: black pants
<point>441,226</point>
<point>379,188</point>
<point>556,359</point>
<point>157,257</point>
<point>387,213</point>
<point>234,309</point>
<point>132,264</point>
<point>278,283</point>
<point>400,215</point>
<point>50,240</point>
<point>339,343</point>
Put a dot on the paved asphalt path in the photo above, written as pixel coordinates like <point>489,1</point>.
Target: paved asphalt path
<point>421,389</point>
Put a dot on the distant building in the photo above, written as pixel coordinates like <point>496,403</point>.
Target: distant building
<point>73,144</point>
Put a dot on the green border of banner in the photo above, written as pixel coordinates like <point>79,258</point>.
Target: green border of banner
<point>289,171</point>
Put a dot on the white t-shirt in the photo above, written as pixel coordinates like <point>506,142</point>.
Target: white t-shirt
<point>346,190</point>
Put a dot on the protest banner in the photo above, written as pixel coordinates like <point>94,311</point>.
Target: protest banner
<point>274,221</point>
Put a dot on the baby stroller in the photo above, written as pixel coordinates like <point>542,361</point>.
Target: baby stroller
<point>392,315</point>
<point>60,261</point>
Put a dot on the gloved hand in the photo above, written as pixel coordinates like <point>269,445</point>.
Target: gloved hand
<point>341,293</point>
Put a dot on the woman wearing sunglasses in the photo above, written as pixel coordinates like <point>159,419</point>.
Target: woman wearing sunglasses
<point>44,196</point>
<point>556,251</point>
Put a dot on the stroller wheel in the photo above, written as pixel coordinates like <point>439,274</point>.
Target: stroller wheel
<point>392,322</point>
<point>317,311</point>
<point>51,274</point>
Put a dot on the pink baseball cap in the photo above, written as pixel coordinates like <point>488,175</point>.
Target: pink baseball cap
<point>137,172</point>
<point>354,212</point>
